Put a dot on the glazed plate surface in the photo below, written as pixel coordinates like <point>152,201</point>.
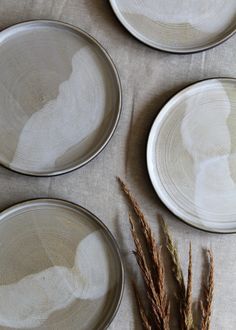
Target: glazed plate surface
<point>60,268</point>
<point>180,26</point>
<point>191,155</point>
<point>60,98</point>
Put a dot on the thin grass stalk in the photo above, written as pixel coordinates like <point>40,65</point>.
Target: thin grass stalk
<point>188,316</point>
<point>143,316</point>
<point>184,295</point>
<point>206,303</point>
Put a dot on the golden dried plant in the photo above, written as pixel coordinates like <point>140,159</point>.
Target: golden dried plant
<point>149,258</point>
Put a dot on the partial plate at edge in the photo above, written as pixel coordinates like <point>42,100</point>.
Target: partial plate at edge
<point>191,155</point>
<point>60,98</point>
<point>60,268</point>
<point>178,26</point>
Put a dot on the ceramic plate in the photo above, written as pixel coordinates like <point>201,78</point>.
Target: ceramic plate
<point>60,268</point>
<point>180,26</point>
<point>191,155</point>
<point>60,98</point>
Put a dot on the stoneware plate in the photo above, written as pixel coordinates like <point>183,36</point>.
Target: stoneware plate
<point>60,98</point>
<point>191,155</point>
<point>180,26</point>
<point>60,268</point>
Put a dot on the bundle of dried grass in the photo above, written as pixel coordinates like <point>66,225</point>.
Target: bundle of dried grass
<point>156,291</point>
<point>149,259</point>
<point>151,266</point>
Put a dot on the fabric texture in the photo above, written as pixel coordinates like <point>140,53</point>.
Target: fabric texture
<point>149,78</point>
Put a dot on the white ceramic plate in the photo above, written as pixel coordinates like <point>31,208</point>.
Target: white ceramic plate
<point>191,155</point>
<point>179,26</point>
<point>60,98</point>
<point>60,268</point>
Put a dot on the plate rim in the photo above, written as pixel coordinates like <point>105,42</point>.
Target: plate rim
<point>157,121</point>
<point>71,205</point>
<point>119,91</point>
<point>171,50</point>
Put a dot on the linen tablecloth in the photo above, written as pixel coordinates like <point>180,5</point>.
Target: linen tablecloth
<point>149,78</point>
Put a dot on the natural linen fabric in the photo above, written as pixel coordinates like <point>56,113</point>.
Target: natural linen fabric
<point>149,78</point>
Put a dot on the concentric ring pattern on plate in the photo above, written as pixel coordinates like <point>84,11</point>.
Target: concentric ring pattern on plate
<point>178,26</point>
<point>60,98</point>
<point>60,268</point>
<point>191,155</point>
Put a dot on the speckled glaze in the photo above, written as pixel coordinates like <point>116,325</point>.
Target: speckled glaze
<point>191,155</point>
<point>60,98</point>
<point>178,26</point>
<point>60,268</point>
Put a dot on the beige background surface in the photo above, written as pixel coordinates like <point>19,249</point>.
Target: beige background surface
<point>149,78</point>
